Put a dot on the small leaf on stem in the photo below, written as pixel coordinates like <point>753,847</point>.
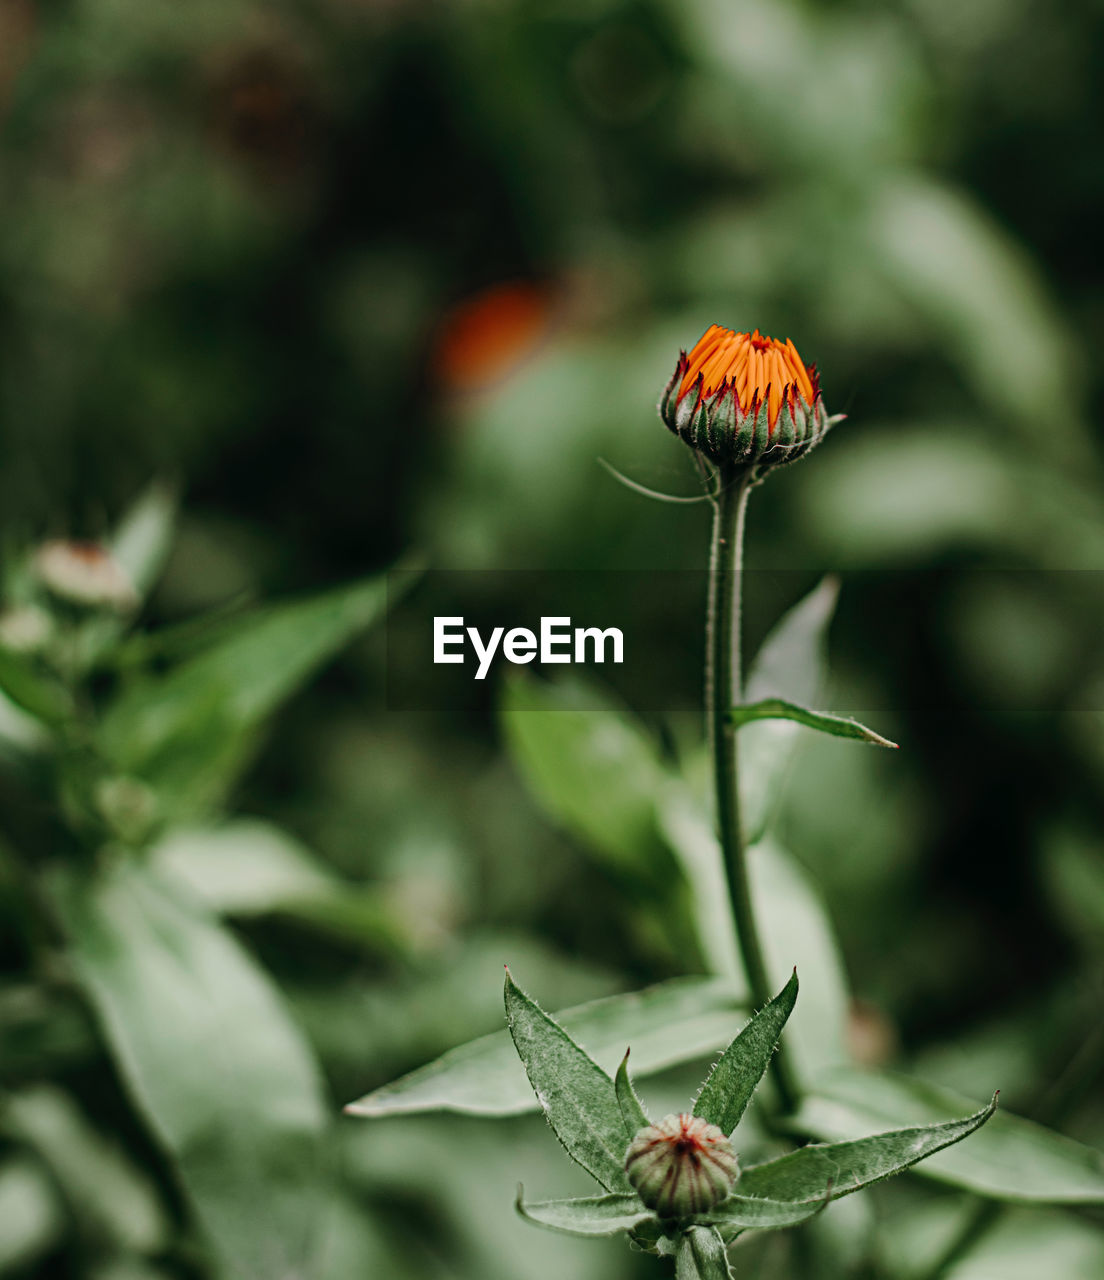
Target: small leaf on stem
<point>779,709</point>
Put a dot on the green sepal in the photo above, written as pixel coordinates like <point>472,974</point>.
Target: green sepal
<point>836,1169</point>
<point>700,427</point>
<point>701,1256</point>
<point>632,1109</point>
<point>575,1094</point>
<point>744,436</point>
<point>587,1216</point>
<point>808,428</point>
<point>670,391</point>
<point>784,435</point>
<point>722,424</point>
<point>761,438</point>
<point>727,1091</point>
<point>685,409</point>
<point>778,709</point>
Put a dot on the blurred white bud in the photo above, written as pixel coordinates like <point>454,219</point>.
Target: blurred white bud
<point>84,573</point>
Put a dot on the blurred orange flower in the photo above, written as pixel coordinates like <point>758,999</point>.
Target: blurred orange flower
<point>486,336</point>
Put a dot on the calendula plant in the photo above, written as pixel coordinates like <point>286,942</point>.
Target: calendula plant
<point>675,1186</point>
<point>678,1186</point>
<point>124,869</point>
<point>745,404</point>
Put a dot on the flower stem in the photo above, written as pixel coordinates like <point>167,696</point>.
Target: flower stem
<point>723,691</point>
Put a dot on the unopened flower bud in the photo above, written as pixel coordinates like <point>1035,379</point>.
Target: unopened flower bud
<point>25,628</point>
<point>84,573</point>
<point>745,399</point>
<point>681,1166</point>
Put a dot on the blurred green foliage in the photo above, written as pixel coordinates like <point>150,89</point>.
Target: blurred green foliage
<point>232,242</point>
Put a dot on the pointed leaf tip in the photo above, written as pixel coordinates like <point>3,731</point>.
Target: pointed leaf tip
<point>577,1097</point>
<point>839,1168</point>
<point>781,709</point>
<point>632,1109</point>
<point>727,1091</point>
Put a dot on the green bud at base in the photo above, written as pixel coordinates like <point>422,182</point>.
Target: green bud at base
<point>681,1166</point>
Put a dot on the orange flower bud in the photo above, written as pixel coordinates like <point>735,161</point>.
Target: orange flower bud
<point>745,399</point>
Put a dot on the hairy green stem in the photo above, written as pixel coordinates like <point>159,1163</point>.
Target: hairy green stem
<point>723,691</point>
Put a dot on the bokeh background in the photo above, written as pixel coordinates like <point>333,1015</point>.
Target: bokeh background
<point>364,280</point>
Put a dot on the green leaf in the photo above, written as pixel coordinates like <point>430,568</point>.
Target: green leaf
<point>140,544</point>
<point>31,1219</point>
<point>248,867</point>
<point>143,536</point>
<point>778,709</point>
<point>591,769</point>
<point>589,1216</point>
<point>597,774</point>
<point>44,1031</point>
<point>1011,1159</point>
<point>837,1169</point>
<point>113,1203</point>
<point>692,839</point>
<point>981,296</point>
<point>914,492</point>
<point>795,930</point>
<point>791,666</point>
<point>1073,873</point>
<point>797,933</point>
<point>1022,1244</point>
<point>676,1021</point>
<point>575,1094</point>
<point>726,1093</point>
<point>701,1256</point>
<point>244,867</point>
<point>744,1213</point>
<point>31,691</point>
<point>203,1043</point>
<point>189,733</point>
<point>632,1109</point>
